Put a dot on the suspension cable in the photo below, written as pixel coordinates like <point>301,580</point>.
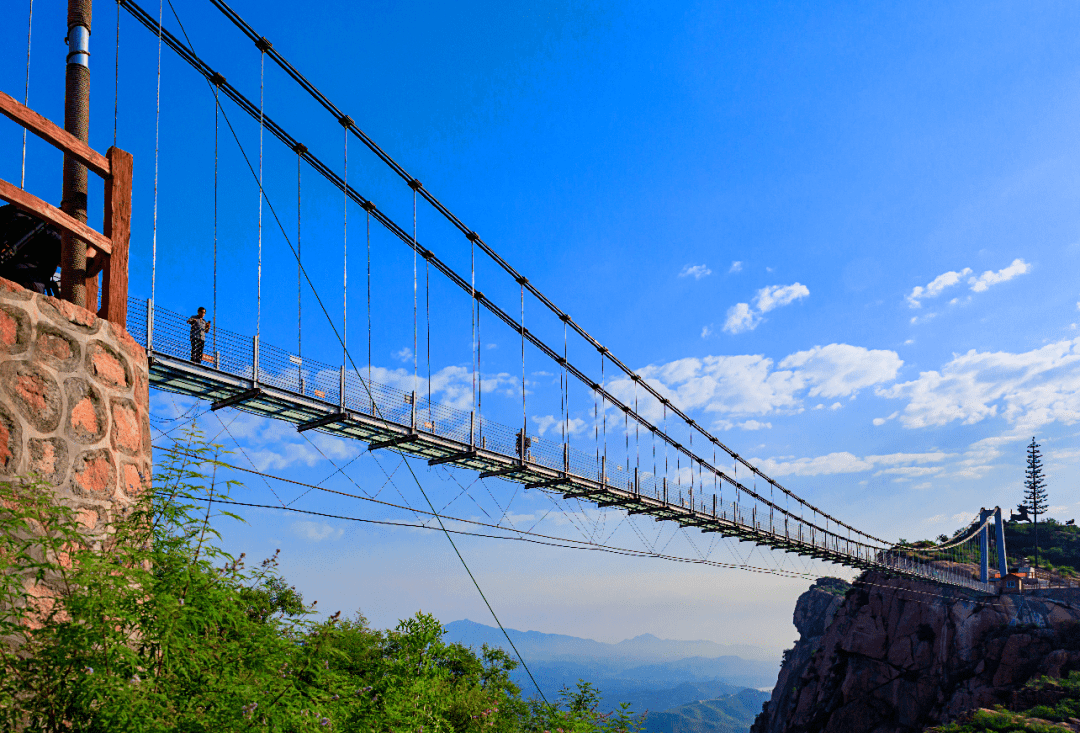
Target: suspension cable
<point>499,260</point>
<point>157,146</point>
<point>116,83</point>
<point>26,92</point>
<point>369,296</point>
<point>262,118</point>
<point>299,281</point>
<point>217,108</point>
<point>345,264</point>
<point>189,55</point>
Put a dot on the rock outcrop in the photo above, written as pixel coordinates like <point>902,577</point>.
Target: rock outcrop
<point>896,656</point>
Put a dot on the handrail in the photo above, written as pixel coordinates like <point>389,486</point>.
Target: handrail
<point>55,136</point>
<point>107,253</point>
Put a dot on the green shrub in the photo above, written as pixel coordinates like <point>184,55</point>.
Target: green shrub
<point>164,631</point>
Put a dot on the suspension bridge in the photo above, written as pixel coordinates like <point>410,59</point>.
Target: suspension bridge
<point>342,397</point>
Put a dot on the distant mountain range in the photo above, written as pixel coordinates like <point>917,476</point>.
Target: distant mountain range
<point>729,714</point>
<point>650,673</point>
<point>644,649</point>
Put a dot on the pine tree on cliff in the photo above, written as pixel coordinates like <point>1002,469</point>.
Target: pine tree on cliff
<point>1034,491</point>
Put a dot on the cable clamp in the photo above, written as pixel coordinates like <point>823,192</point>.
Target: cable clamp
<point>345,121</point>
<point>300,149</point>
<point>368,206</point>
<point>263,45</point>
<point>472,236</point>
<point>415,185</point>
<point>522,280</point>
<point>217,79</point>
<point>478,295</point>
<point>565,318</point>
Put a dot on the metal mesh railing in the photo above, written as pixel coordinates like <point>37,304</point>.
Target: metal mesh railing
<point>168,333</point>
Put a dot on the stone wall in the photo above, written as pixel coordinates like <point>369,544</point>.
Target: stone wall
<point>74,405</point>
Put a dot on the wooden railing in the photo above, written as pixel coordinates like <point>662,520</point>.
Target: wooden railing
<point>106,253</point>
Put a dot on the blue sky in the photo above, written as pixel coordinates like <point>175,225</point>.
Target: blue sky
<point>842,236</point>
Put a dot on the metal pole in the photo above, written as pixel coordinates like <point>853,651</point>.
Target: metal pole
<point>999,527</point>
<point>984,548</point>
<point>77,122</point>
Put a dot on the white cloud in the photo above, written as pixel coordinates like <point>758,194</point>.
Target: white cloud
<point>839,370</point>
<point>1029,389</point>
<point>988,278</point>
<point>978,284</point>
<point>835,406</point>
<point>844,462</point>
<point>936,286</point>
<point>910,471</point>
<point>706,332</point>
<point>543,423</point>
<point>755,425</point>
<point>736,266</point>
<point>404,354</point>
<point>775,296</point>
<point>317,531</point>
<point>753,385</point>
<point>741,317</point>
<point>695,271</point>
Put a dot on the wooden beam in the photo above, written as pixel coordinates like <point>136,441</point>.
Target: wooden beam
<point>33,205</point>
<point>50,133</point>
<point>114,279</point>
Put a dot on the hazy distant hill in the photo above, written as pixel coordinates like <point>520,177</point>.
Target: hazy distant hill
<point>730,714</point>
<point>644,649</point>
<point>649,673</point>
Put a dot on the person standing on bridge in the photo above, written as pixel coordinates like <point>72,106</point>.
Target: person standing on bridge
<point>199,327</point>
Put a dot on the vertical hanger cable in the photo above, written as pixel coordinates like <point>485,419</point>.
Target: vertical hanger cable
<point>217,107</point>
<point>116,81</point>
<point>262,121</point>
<point>157,143</point>
<point>369,300</point>
<point>26,92</point>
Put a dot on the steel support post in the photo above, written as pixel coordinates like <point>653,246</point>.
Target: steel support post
<point>984,547</point>
<point>77,122</point>
<point>999,530</point>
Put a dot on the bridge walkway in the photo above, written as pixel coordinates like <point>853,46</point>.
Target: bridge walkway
<point>266,380</point>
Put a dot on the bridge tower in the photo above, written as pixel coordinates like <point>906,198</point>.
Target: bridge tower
<point>984,543</point>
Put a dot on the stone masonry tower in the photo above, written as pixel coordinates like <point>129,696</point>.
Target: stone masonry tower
<point>74,405</point>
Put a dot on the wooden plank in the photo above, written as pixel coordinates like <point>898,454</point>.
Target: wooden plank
<point>33,205</point>
<point>114,279</point>
<point>56,136</point>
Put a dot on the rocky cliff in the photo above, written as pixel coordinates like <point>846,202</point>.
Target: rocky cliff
<point>896,656</point>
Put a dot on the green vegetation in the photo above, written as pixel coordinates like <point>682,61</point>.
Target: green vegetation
<point>1065,694</point>
<point>1034,491</point>
<point>164,631</point>
<point>1059,545</point>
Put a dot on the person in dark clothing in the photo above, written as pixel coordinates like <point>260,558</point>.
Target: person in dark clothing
<point>29,250</point>
<point>199,327</point>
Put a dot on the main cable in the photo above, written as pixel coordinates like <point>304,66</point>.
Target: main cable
<point>188,55</point>
<point>304,83</point>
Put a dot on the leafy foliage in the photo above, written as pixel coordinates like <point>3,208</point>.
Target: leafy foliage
<point>1039,719</point>
<point>163,630</point>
